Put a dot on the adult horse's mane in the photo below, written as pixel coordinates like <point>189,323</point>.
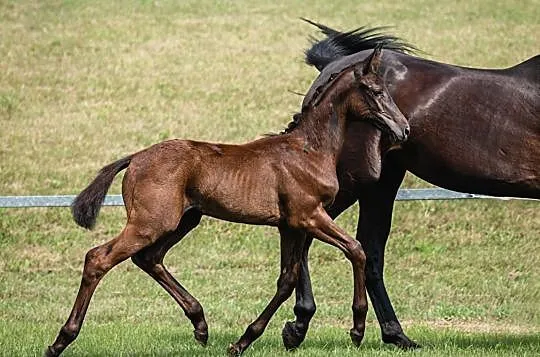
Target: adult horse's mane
<point>338,44</point>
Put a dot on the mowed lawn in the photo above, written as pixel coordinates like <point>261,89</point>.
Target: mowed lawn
<point>83,83</point>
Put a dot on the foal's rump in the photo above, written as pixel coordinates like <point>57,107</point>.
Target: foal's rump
<point>151,172</point>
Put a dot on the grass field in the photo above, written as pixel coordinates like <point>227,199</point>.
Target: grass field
<point>83,83</point>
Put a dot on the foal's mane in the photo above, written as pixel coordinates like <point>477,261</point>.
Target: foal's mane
<point>328,86</point>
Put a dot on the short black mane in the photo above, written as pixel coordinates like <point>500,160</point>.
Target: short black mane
<point>290,127</point>
<point>338,44</point>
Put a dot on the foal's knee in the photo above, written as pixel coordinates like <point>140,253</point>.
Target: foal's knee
<point>140,261</point>
<point>146,263</point>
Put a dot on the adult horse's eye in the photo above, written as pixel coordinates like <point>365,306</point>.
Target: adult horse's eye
<point>333,76</point>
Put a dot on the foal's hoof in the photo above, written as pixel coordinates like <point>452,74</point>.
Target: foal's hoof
<point>234,350</point>
<point>356,337</point>
<point>292,338</point>
<point>401,341</point>
<point>201,337</point>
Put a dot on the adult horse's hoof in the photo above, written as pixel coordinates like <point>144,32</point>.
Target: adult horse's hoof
<point>292,338</point>
<point>201,337</point>
<point>356,337</point>
<point>401,341</point>
<point>234,350</point>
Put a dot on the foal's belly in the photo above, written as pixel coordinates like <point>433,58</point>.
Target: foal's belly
<point>239,195</point>
<point>263,213</point>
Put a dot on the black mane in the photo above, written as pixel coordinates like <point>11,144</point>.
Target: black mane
<point>290,127</point>
<point>338,44</point>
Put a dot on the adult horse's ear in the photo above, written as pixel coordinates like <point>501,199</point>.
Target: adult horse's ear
<point>371,63</point>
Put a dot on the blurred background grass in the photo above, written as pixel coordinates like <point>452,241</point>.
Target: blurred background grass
<point>83,83</point>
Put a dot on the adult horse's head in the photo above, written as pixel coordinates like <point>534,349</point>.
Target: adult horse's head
<point>369,99</point>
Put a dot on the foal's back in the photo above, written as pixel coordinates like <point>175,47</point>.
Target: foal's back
<point>250,183</point>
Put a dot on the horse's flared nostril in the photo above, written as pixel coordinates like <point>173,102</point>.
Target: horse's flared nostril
<point>407,131</point>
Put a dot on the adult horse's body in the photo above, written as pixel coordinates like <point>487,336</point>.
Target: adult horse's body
<point>472,130</point>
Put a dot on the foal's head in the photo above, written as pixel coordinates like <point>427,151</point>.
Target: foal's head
<point>359,93</point>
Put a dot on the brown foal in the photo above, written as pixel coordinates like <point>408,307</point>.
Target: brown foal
<point>284,180</point>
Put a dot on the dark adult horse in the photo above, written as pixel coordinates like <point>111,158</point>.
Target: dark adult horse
<point>472,130</point>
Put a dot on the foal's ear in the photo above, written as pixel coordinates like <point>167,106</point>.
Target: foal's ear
<point>371,63</point>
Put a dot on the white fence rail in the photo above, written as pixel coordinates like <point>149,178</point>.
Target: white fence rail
<point>116,200</point>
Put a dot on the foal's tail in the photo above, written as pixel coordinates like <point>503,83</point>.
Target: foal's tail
<point>85,208</point>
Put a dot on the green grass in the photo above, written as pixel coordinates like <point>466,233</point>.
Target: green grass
<point>84,83</point>
<point>151,339</point>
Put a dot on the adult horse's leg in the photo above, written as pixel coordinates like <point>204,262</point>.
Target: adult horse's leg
<point>150,260</point>
<point>294,332</point>
<point>376,205</point>
<point>292,242</point>
<point>98,262</point>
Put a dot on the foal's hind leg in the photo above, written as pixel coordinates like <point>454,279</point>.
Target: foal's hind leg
<point>98,262</point>
<point>150,259</point>
<point>292,243</point>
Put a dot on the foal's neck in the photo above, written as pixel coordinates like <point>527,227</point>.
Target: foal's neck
<point>323,129</point>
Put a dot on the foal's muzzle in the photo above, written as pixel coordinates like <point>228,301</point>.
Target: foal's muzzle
<point>386,124</point>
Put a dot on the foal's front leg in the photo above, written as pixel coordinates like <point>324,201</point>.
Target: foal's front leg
<point>294,332</point>
<point>292,242</point>
<point>322,227</point>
